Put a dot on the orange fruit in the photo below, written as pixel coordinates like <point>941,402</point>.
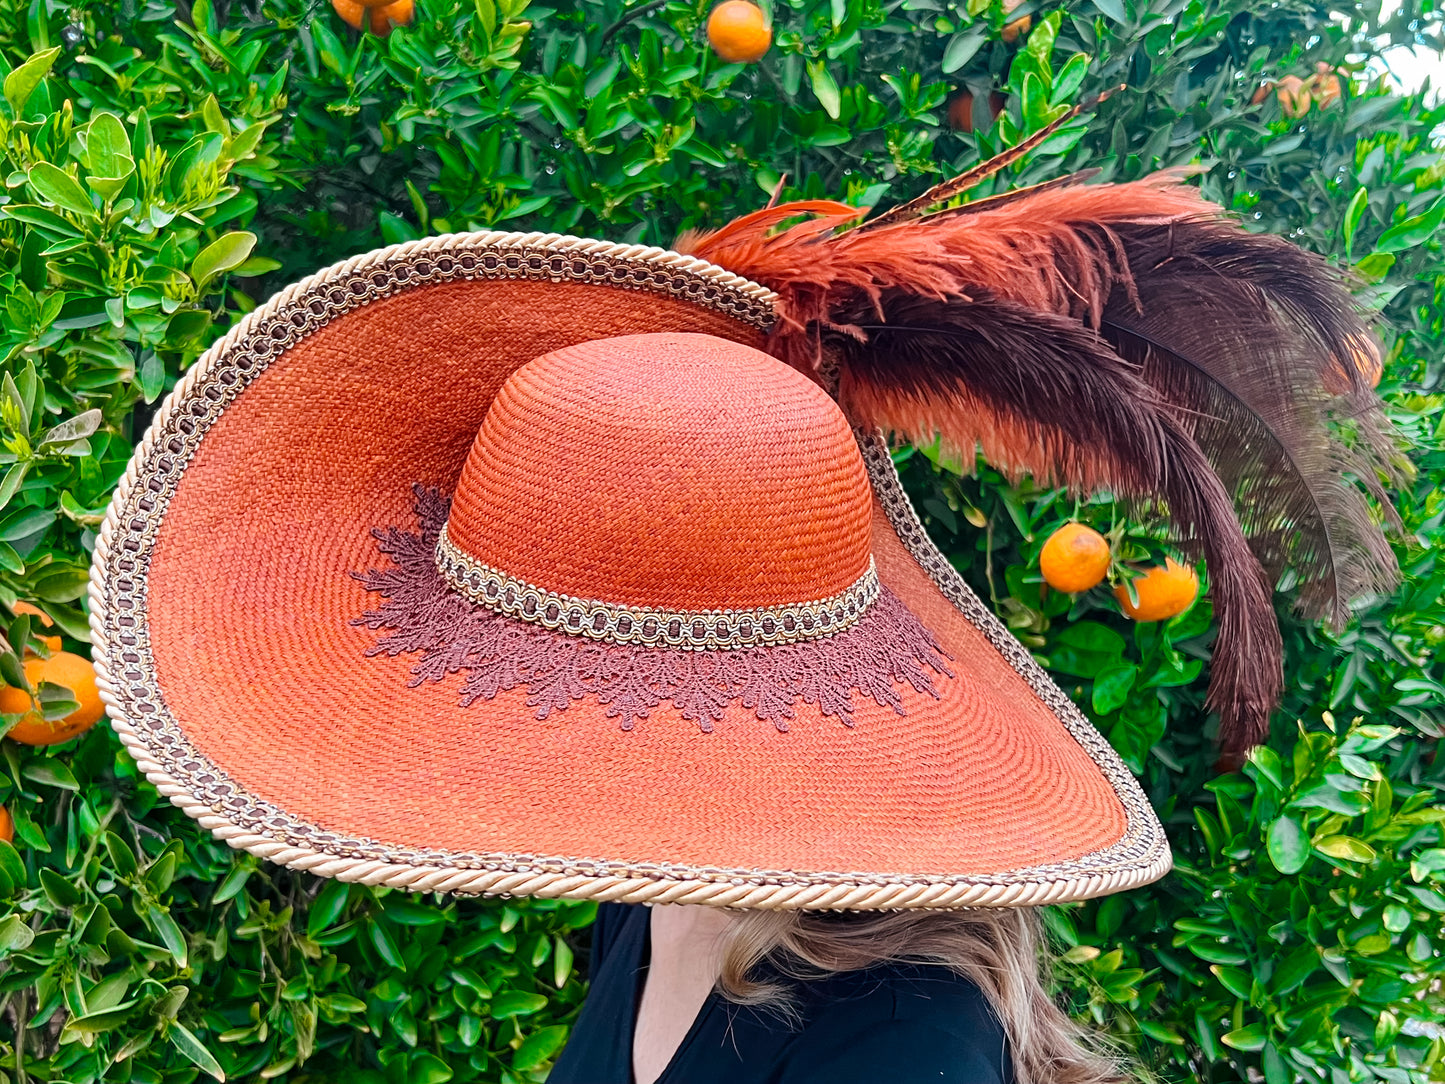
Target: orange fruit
<point>379,17</point>
<point>1366,359</point>
<point>350,11</point>
<point>52,642</point>
<point>398,13</point>
<point>738,32</point>
<point>960,109</point>
<point>1012,31</point>
<point>960,112</point>
<point>1294,96</point>
<point>1163,592</point>
<point>1075,558</point>
<point>63,668</point>
<point>7,825</point>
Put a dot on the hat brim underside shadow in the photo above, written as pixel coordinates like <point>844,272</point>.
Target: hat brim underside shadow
<point>223,600</point>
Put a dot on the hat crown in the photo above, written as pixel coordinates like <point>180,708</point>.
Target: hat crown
<point>669,471</point>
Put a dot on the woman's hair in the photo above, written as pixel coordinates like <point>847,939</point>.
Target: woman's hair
<point>999,950</point>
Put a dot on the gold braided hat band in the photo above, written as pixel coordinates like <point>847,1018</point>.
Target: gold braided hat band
<point>686,630</point>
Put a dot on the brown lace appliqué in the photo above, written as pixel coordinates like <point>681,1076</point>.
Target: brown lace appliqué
<point>888,647</point>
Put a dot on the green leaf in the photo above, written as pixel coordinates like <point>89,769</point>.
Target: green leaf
<point>227,251</point>
<point>1411,232</point>
<point>1395,918</point>
<point>539,1047</point>
<point>429,1069</point>
<point>1112,686</point>
<point>51,773</point>
<point>59,891</point>
<point>1216,953</point>
<point>168,1007</point>
<point>15,935</point>
<point>487,16</point>
<point>516,1003</point>
<point>122,858</point>
<point>170,934</point>
<point>1287,844</point>
<point>1375,266</point>
<point>385,945</point>
<point>183,1040</point>
<point>234,882</point>
<point>76,428</point>
<point>11,482</point>
<point>61,584</point>
<point>1041,42</point>
<point>1353,213</point>
<point>825,89</point>
<point>21,83</point>
<point>1068,80</point>
<point>58,187</point>
<point>162,869</point>
<point>1234,980</point>
<point>102,1020</point>
<point>1346,848</point>
<point>1372,944</point>
<point>108,148</point>
<point>1112,9</point>
<point>328,906</point>
<point>961,49</point>
<point>12,865</point>
<point>561,963</point>
<point>1252,1037</point>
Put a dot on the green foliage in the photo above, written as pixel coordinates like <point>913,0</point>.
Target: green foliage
<point>166,166</point>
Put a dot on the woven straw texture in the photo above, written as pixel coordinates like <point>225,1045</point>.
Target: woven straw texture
<point>736,484</point>
<point>221,602</point>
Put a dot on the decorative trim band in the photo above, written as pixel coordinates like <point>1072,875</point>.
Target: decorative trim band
<point>683,630</point>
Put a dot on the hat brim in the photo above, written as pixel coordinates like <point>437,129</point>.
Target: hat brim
<point>222,607</point>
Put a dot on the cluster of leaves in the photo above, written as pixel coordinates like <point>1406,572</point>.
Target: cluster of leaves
<point>142,950</point>
<point>152,149</point>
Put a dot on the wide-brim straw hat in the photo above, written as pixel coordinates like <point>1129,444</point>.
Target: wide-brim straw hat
<point>510,563</point>
<point>226,601</point>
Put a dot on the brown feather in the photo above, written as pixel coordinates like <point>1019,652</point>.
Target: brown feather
<point>1250,337</point>
<point>1045,395</point>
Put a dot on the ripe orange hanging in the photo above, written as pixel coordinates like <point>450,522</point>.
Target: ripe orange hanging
<point>1022,25</point>
<point>1163,592</point>
<point>7,825</point>
<point>378,17</point>
<point>1075,558</point>
<point>738,32</point>
<point>63,668</point>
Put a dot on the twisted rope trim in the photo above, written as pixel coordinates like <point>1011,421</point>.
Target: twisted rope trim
<point>682,630</point>
<point>127,681</point>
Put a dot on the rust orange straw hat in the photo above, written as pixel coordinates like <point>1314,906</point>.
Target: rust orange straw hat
<point>522,564</point>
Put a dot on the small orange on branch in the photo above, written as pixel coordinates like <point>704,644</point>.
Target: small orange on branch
<point>1075,558</point>
<point>378,17</point>
<point>69,671</point>
<point>1162,592</point>
<point>738,32</point>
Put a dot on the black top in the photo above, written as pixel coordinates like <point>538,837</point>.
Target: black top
<point>897,1023</point>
